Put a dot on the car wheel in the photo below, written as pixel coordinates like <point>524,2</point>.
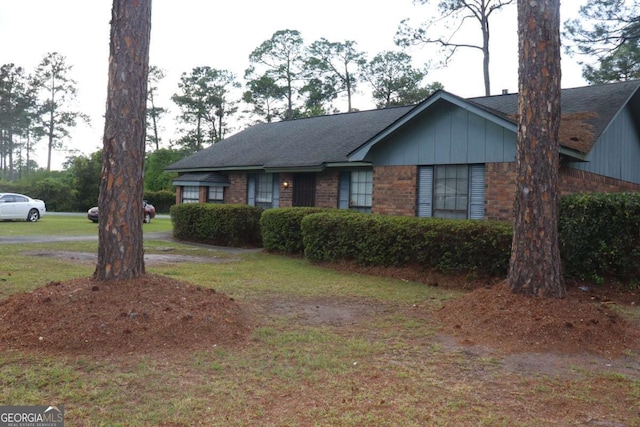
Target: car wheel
<point>147,218</point>
<point>33,216</point>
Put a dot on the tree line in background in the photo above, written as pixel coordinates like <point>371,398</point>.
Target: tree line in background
<point>286,79</point>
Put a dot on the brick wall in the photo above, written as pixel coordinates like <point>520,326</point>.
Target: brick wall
<point>236,192</point>
<point>394,190</point>
<point>577,181</point>
<point>286,194</point>
<point>327,187</point>
<point>500,187</point>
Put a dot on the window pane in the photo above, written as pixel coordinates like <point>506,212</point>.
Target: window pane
<point>264,188</point>
<point>216,194</point>
<point>190,194</point>
<point>361,189</point>
<point>451,191</point>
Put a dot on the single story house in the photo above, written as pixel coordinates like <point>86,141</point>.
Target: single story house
<point>444,157</point>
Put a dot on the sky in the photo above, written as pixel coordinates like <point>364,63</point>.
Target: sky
<point>221,34</point>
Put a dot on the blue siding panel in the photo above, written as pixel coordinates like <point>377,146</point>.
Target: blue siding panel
<point>615,152</point>
<point>476,129</point>
<point>443,137</point>
<point>459,136</point>
<point>446,134</point>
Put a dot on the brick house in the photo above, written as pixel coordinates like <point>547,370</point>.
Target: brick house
<point>445,157</point>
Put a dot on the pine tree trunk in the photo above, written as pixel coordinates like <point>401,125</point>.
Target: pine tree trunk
<point>535,267</point>
<point>120,249</point>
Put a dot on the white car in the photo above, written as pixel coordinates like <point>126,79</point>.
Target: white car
<point>19,206</point>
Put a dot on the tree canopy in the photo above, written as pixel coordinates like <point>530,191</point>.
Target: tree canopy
<point>606,37</point>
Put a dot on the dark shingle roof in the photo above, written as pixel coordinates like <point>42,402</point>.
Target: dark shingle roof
<point>302,143</point>
<point>597,104</point>
<point>314,142</point>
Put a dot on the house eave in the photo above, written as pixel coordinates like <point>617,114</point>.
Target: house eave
<point>573,154</point>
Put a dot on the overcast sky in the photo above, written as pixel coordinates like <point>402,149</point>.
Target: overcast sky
<point>190,33</point>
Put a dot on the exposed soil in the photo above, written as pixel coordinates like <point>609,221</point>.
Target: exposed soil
<point>154,313</point>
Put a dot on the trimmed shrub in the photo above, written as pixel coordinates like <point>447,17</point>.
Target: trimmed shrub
<point>280,228</point>
<point>600,235</point>
<point>217,224</point>
<point>447,245</point>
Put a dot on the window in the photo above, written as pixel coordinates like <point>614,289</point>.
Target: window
<point>356,190</point>
<point>216,194</point>
<point>451,191</point>
<point>190,194</point>
<point>263,190</point>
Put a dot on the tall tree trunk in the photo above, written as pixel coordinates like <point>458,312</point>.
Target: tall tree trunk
<point>485,56</point>
<point>120,249</point>
<point>535,267</point>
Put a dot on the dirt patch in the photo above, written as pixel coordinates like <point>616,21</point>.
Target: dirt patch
<point>149,259</point>
<point>150,314</point>
<point>587,321</point>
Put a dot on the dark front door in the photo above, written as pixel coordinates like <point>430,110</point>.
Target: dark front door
<point>304,189</point>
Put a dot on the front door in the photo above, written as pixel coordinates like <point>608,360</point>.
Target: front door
<point>304,189</point>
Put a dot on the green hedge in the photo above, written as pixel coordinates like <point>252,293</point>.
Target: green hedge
<point>280,228</point>
<point>448,245</point>
<point>217,224</point>
<point>600,235</point>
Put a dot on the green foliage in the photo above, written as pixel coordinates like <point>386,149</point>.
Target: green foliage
<point>205,105</point>
<point>280,228</point>
<point>448,245</point>
<point>395,81</point>
<point>161,200</point>
<point>217,224</point>
<point>600,235</point>
<point>155,178</point>
<point>85,173</point>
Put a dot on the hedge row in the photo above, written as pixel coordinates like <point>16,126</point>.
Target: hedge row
<point>600,235</point>
<point>217,224</point>
<point>448,245</point>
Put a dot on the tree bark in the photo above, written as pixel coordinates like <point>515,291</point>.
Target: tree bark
<point>535,265</point>
<point>120,248</point>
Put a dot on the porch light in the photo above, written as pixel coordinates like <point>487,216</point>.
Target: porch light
<point>286,184</point>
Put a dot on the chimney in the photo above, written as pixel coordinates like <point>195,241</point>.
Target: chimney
<point>505,91</point>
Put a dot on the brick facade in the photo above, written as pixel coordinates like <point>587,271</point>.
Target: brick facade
<point>395,190</point>
<point>236,192</point>
<point>500,187</point>
<point>577,181</point>
<point>327,187</point>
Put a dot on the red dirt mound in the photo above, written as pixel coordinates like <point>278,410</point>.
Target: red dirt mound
<point>583,322</point>
<point>144,315</point>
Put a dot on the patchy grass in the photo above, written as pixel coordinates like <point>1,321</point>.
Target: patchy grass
<point>67,225</point>
<point>327,348</point>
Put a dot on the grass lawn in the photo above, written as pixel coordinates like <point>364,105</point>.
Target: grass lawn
<point>327,348</point>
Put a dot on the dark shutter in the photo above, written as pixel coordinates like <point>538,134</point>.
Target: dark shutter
<point>425,191</point>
